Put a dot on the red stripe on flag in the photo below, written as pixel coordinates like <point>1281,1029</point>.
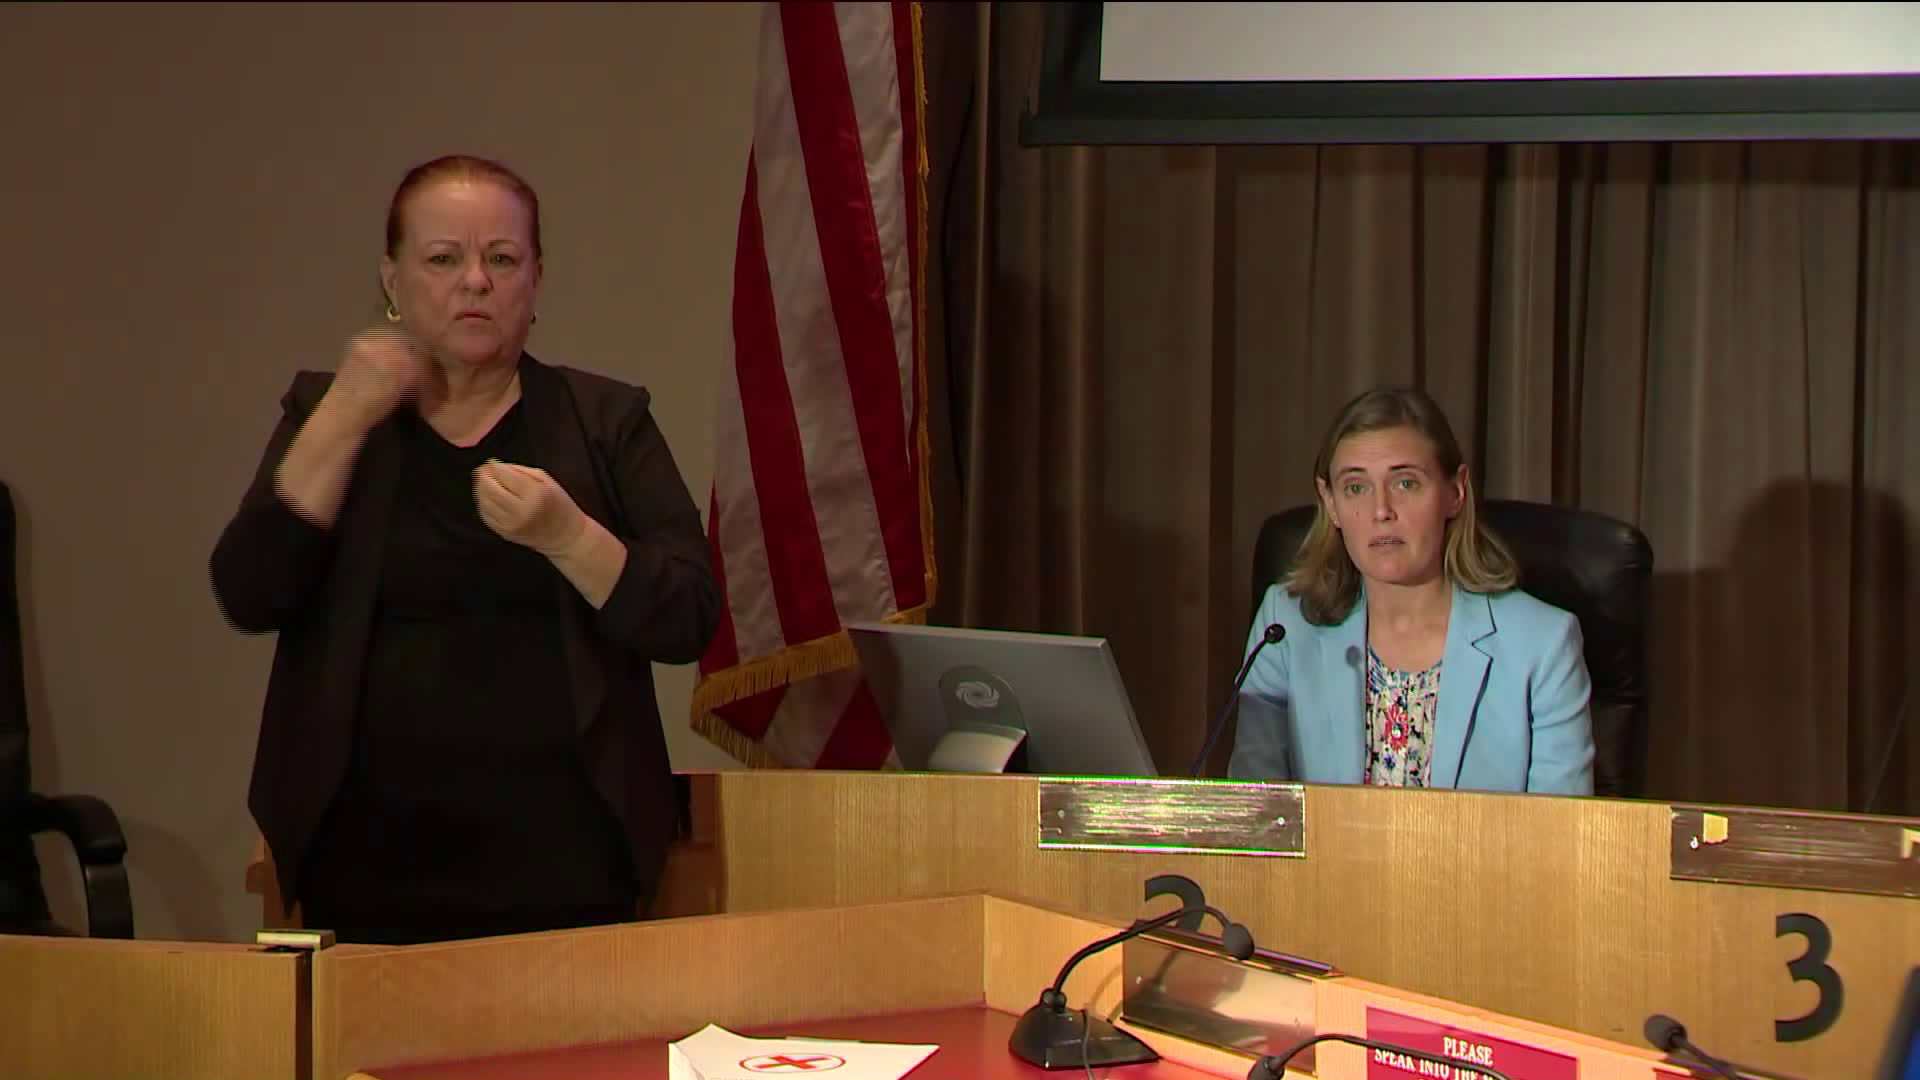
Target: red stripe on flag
<point>796,562</point>
<point>860,739</point>
<point>856,278</point>
<point>752,716</point>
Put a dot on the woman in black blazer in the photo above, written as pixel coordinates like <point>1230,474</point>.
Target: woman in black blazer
<point>471,559</point>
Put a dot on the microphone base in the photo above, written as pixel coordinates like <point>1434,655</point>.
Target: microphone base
<point>1071,1039</point>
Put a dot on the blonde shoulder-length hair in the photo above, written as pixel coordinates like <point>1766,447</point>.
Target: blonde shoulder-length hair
<point>1324,579</point>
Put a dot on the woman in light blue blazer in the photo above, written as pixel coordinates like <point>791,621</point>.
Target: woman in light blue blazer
<point>1410,657</point>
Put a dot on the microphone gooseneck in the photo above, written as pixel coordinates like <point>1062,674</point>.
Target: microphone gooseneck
<point>1895,730</point>
<point>1051,1036</point>
<point>1274,1066</point>
<point>1235,938</point>
<point>1271,636</point>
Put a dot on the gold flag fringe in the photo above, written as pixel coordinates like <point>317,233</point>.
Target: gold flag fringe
<point>835,652</point>
<point>797,663</point>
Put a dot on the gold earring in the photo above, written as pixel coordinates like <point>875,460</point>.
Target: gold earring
<point>393,314</point>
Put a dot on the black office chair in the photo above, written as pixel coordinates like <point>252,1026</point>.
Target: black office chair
<point>1591,565</point>
<point>88,823</point>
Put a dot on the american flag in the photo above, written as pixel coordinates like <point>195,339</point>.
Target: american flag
<point>821,513</point>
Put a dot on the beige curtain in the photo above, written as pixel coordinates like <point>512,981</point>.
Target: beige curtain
<point>1140,347</point>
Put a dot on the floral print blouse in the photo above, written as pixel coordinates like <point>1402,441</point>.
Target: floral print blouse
<point>1400,708</point>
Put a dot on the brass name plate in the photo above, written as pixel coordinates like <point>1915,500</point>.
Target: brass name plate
<point>1193,816</point>
<point>1793,849</point>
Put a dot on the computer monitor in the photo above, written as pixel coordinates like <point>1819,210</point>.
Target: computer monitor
<point>1901,1059</point>
<point>965,700</point>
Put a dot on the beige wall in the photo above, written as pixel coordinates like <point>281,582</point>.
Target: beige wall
<point>193,198</point>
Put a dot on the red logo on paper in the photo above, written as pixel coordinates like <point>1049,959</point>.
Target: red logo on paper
<point>1464,1048</point>
<point>793,1064</point>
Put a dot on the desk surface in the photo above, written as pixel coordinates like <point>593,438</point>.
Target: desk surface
<point>973,1046</point>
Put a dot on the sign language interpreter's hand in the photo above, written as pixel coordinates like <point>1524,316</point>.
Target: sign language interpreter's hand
<point>525,505</point>
<point>382,367</point>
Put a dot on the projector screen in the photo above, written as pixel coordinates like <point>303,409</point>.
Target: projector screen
<point>1196,42</point>
<point>1480,72</point>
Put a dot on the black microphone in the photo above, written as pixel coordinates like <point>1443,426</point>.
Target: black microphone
<point>1052,1037</point>
<point>1274,1067</point>
<point>1669,1036</point>
<point>1272,637</point>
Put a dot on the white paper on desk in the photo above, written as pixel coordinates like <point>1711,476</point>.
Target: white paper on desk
<point>714,1053</point>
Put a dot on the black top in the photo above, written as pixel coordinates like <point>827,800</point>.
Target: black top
<point>467,807</point>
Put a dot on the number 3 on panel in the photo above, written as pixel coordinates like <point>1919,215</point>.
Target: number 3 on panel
<point>1810,967</point>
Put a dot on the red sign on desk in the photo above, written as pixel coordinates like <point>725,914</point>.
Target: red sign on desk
<point>1459,1045</point>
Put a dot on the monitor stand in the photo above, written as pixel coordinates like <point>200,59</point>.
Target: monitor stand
<point>980,747</point>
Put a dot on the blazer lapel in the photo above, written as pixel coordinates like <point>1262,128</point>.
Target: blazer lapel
<point>357,574</point>
<point>1346,710</point>
<point>1463,675</point>
<point>559,436</point>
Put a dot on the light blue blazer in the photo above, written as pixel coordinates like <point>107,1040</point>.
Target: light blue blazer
<point>1512,715</point>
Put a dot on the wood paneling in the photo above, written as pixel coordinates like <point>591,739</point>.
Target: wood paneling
<point>87,1009</point>
<point>376,1006</point>
<point>1554,910</point>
